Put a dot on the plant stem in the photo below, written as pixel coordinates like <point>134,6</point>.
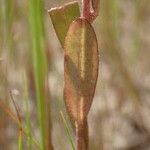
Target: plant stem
<point>86,8</point>
<point>20,140</point>
<point>82,135</point>
<point>87,13</point>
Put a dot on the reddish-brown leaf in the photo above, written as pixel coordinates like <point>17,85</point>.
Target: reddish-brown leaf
<point>81,68</point>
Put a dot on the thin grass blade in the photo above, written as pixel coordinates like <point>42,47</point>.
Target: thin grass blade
<point>36,16</point>
<point>68,130</point>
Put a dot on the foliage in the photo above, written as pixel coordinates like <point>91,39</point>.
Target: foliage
<point>81,63</point>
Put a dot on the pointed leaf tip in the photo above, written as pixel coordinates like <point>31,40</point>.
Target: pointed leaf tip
<point>62,17</point>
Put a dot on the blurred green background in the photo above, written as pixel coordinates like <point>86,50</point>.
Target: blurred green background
<point>120,115</point>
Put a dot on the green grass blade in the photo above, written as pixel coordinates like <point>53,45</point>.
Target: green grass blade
<point>20,140</point>
<point>27,113</point>
<point>67,130</point>
<point>39,62</point>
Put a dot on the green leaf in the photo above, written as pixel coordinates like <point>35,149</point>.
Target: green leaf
<point>62,17</point>
<point>81,68</point>
<point>40,70</point>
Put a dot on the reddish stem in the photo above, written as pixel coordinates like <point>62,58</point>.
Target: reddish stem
<point>82,135</point>
<point>87,13</point>
<point>86,8</point>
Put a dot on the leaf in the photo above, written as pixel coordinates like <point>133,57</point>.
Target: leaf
<point>62,17</point>
<point>81,68</point>
<point>40,71</point>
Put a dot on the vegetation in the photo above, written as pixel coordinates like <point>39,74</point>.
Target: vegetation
<point>74,75</point>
